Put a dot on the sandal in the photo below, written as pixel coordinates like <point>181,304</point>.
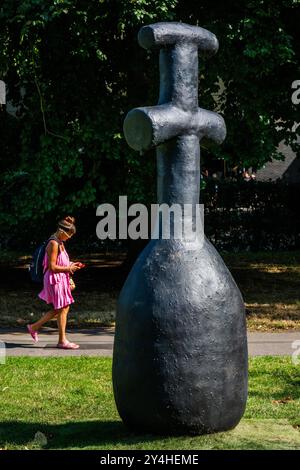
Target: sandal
<point>33,333</point>
<point>68,345</point>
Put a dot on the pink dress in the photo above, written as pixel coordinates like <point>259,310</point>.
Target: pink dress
<point>56,289</point>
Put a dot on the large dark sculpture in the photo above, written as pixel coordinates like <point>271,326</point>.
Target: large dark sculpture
<point>180,352</point>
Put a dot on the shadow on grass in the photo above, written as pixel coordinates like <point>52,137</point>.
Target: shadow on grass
<point>261,286</point>
<point>82,434</point>
<point>111,435</point>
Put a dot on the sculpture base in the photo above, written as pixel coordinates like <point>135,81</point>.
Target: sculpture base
<point>180,351</point>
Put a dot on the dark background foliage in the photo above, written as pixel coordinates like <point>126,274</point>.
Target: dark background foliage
<point>252,215</point>
<point>74,68</point>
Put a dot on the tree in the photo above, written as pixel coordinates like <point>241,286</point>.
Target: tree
<point>74,68</point>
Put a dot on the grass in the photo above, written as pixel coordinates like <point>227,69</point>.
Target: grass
<point>269,282</point>
<point>67,403</point>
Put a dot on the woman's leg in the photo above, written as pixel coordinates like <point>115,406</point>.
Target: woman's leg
<point>48,316</point>
<point>62,323</point>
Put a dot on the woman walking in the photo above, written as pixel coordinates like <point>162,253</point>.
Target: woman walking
<point>57,282</point>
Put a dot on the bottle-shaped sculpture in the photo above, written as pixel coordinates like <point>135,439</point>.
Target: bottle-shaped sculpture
<point>180,351</point>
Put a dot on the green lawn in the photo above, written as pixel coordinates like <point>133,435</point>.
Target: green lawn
<point>67,403</point>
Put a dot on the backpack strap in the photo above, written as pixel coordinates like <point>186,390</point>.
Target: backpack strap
<point>53,237</point>
<point>56,240</point>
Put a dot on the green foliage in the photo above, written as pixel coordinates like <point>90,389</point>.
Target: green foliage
<point>71,69</point>
<point>74,68</point>
<point>252,73</point>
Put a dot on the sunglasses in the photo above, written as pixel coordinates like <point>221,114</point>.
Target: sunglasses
<point>65,233</point>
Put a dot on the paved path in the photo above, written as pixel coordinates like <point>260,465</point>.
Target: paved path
<point>99,342</point>
<point>93,342</point>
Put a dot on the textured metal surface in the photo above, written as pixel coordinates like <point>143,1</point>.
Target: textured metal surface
<point>180,351</point>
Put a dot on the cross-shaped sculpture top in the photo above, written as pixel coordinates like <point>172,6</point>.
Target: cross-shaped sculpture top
<point>177,112</point>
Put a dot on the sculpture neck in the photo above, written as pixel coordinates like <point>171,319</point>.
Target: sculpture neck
<point>179,72</point>
<point>178,171</point>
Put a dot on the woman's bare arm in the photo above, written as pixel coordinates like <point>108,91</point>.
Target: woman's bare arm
<point>52,251</point>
